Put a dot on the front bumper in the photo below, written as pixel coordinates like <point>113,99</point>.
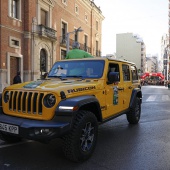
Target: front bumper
<point>43,131</point>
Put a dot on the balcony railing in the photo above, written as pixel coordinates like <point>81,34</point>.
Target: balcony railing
<point>87,49</point>
<point>63,42</point>
<point>47,32</point>
<point>98,53</point>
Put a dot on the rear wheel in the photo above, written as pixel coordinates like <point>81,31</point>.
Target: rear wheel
<point>9,138</point>
<point>80,143</point>
<point>133,116</point>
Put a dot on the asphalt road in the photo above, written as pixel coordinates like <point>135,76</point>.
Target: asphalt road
<point>120,146</point>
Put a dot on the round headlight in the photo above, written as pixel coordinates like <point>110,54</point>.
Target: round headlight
<point>6,96</point>
<point>49,100</point>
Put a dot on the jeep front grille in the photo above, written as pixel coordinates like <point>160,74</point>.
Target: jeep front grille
<point>26,102</point>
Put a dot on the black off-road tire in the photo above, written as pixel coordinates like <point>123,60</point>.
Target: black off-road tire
<point>80,143</point>
<point>9,138</point>
<point>134,114</point>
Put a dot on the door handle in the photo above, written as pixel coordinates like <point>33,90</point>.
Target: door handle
<point>130,87</point>
<point>120,88</point>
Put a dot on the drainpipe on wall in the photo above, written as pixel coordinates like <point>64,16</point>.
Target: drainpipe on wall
<point>34,27</point>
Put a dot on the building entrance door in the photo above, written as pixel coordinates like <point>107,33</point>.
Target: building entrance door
<point>14,67</point>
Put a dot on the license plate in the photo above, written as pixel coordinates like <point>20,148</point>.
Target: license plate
<point>9,128</point>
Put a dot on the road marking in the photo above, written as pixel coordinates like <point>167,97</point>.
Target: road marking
<point>151,98</point>
<point>159,97</point>
<point>165,98</point>
<point>8,145</point>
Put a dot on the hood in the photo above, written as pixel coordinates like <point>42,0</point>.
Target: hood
<point>56,86</point>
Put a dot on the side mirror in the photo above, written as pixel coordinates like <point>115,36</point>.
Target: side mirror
<point>113,77</point>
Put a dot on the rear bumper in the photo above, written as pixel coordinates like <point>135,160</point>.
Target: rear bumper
<point>37,130</point>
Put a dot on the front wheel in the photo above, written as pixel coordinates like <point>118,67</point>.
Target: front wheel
<point>133,116</point>
<point>80,143</point>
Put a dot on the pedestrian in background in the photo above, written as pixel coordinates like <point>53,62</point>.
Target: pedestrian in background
<point>45,75</point>
<point>76,53</point>
<point>17,78</point>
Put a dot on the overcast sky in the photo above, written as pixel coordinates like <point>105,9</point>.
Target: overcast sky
<point>147,18</point>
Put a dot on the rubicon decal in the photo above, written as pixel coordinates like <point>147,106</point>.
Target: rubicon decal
<point>81,89</point>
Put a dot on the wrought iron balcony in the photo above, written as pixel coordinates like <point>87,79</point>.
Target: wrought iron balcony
<point>98,53</point>
<point>85,48</point>
<point>47,32</point>
<point>63,42</point>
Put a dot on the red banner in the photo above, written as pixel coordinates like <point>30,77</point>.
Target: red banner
<point>152,74</point>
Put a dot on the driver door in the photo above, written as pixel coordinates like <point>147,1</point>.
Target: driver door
<point>114,94</point>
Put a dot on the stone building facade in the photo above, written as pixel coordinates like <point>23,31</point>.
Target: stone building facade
<point>35,33</point>
<point>131,47</point>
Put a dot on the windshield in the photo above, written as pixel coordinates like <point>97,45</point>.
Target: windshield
<point>80,69</point>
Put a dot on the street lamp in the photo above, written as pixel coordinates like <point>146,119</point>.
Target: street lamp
<point>68,37</point>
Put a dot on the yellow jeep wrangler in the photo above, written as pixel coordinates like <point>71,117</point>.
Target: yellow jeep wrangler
<point>76,97</point>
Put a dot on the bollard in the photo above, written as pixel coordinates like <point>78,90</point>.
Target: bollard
<point>168,85</point>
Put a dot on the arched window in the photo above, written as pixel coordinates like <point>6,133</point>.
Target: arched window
<point>43,62</point>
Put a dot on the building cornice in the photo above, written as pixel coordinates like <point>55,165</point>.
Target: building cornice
<point>49,2</point>
<point>92,6</point>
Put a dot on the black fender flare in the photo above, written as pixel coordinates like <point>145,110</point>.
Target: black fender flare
<point>135,93</point>
<point>87,102</point>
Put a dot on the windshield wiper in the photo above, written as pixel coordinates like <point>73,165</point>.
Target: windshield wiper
<point>76,76</point>
<point>60,77</point>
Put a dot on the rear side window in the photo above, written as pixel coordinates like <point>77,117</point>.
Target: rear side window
<point>134,73</point>
<point>126,72</point>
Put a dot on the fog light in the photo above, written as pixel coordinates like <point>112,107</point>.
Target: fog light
<point>37,131</point>
<point>43,131</point>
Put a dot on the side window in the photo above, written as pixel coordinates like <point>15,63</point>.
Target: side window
<point>114,68</point>
<point>134,73</point>
<point>15,9</point>
<point>85,43</point>
<point>63,54</point>
<point>43,61</point>
<point>64,2</point>
<point>126,72</point>
<point>76,9</point>
<point>97,25</point>
<point>63,31</point>
<point>44,17</point>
